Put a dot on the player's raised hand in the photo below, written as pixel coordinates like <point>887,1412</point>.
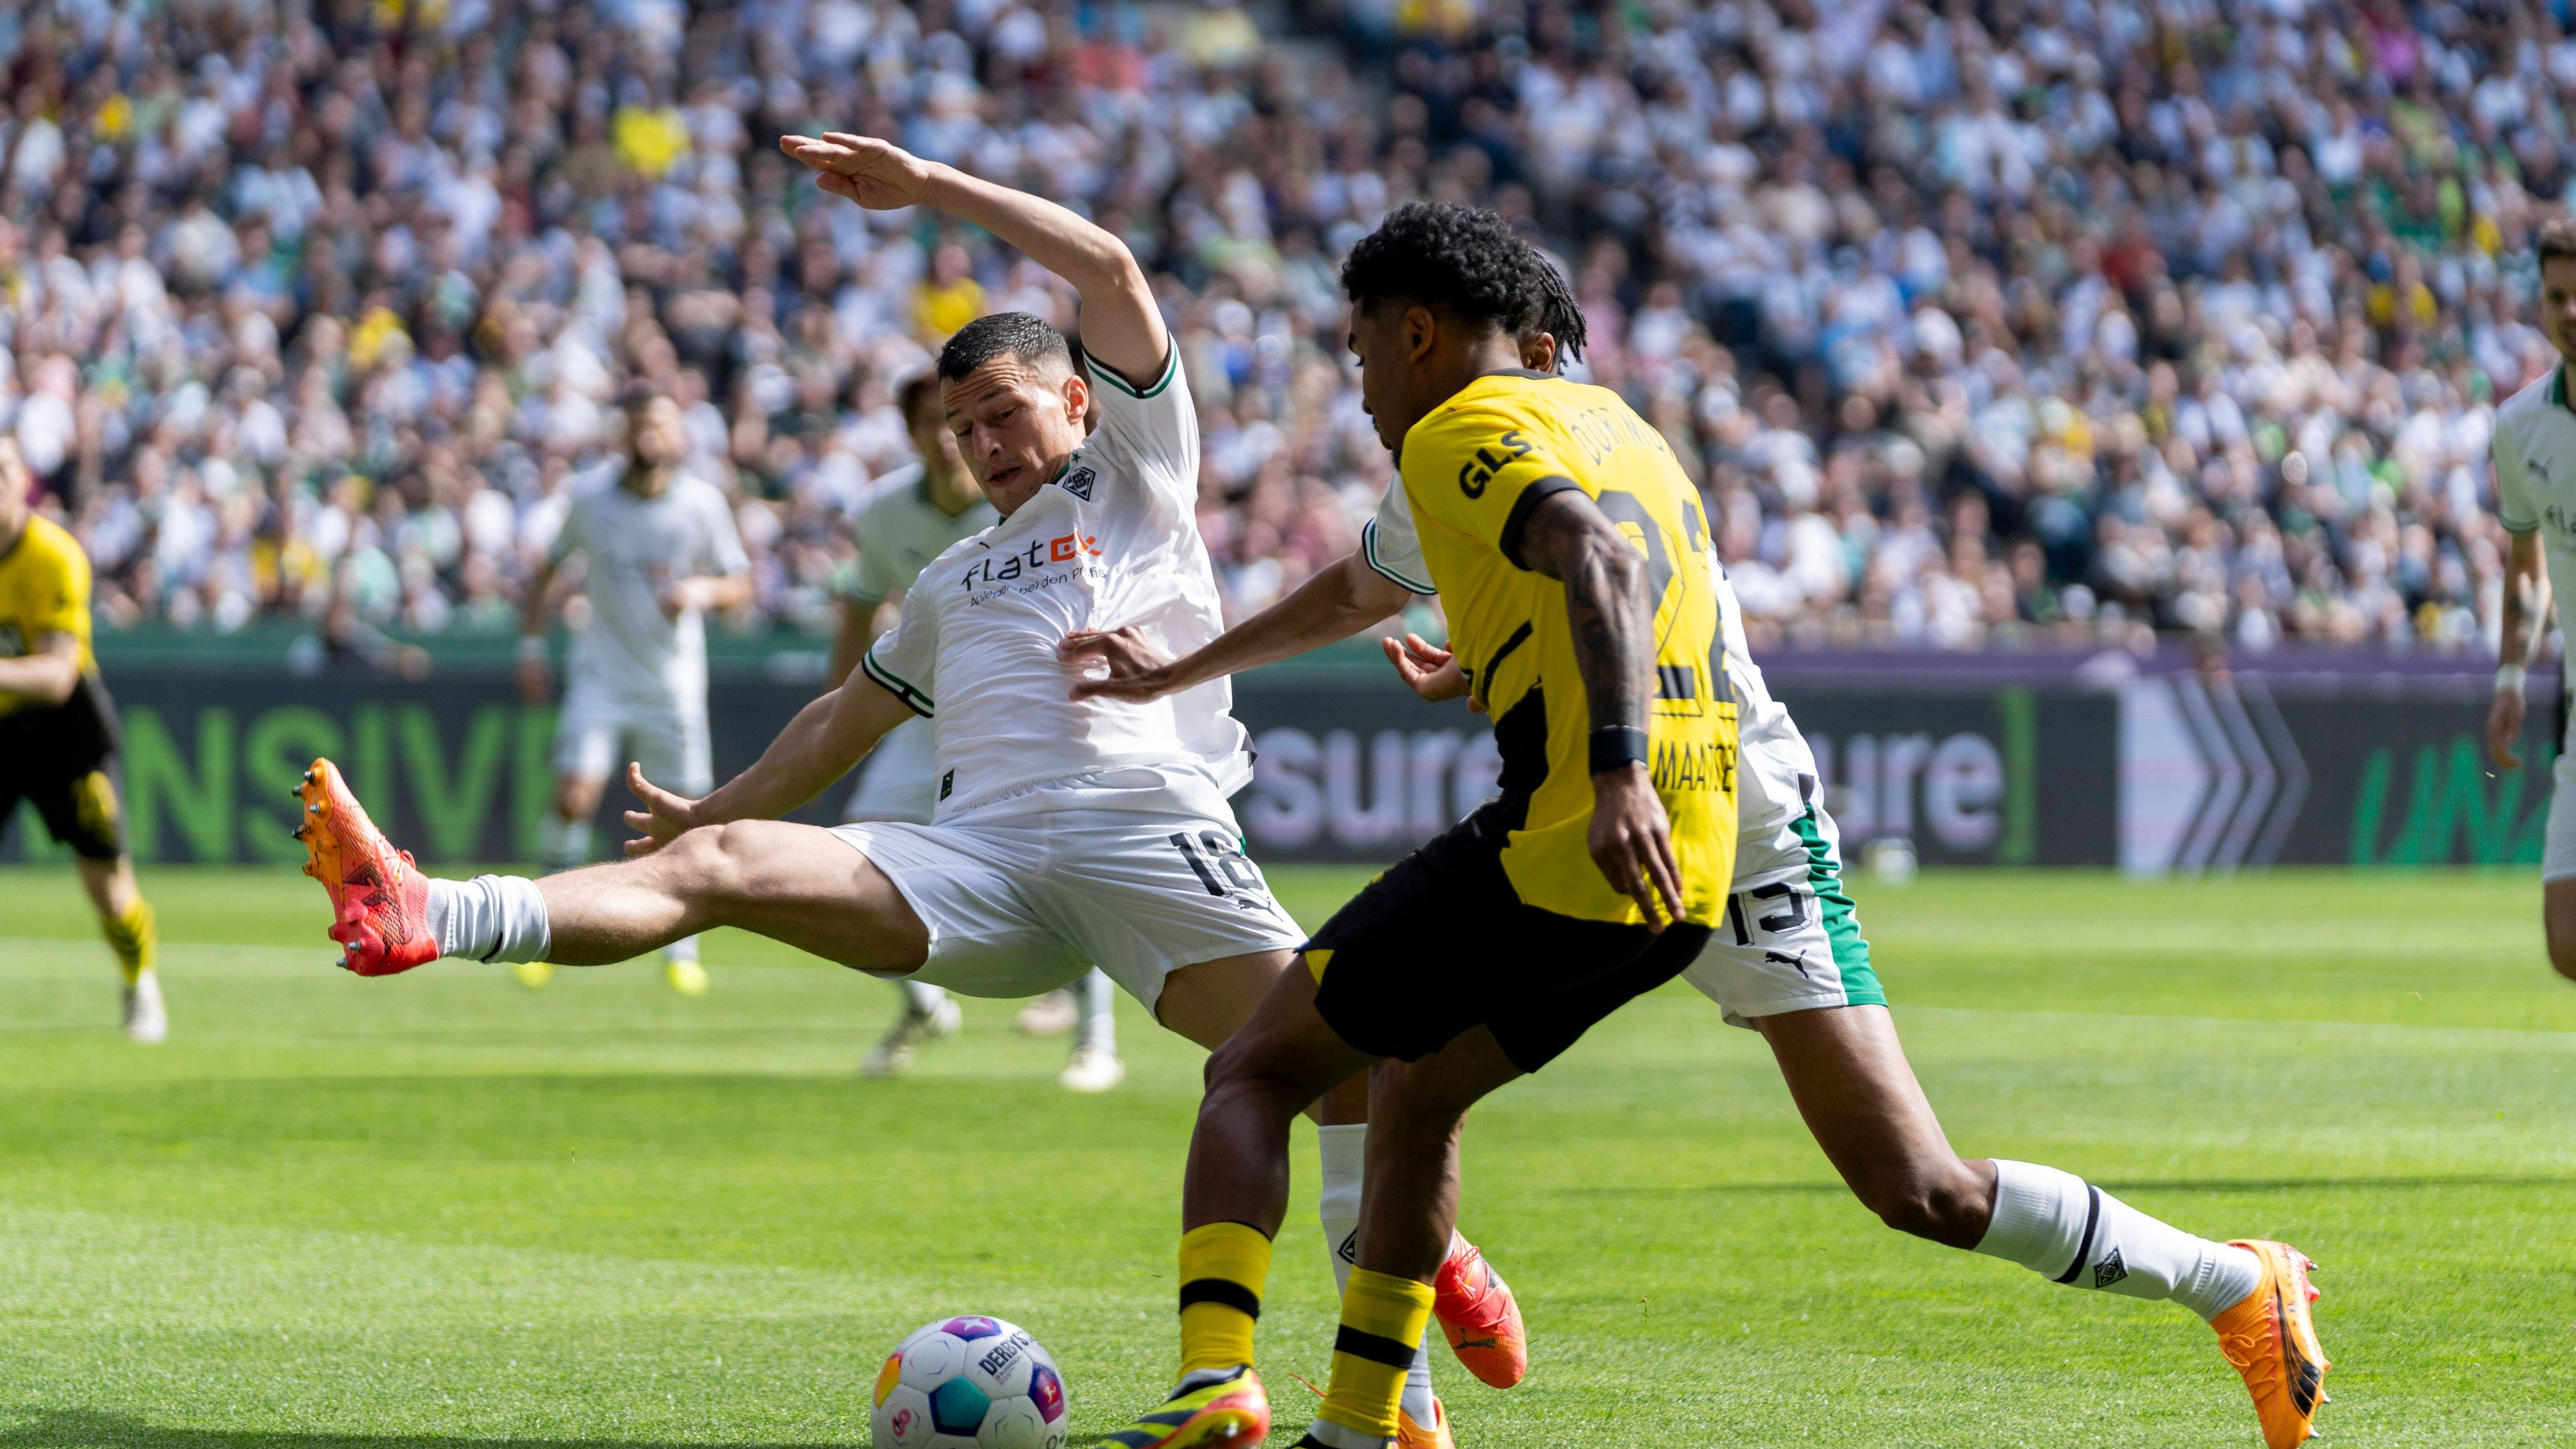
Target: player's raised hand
<point>1632,843</point>
<point>878,175</point>
<point>1429,670</point>
<point>664,816</point>
<point>2504,729</point>
<point>1139,670</point>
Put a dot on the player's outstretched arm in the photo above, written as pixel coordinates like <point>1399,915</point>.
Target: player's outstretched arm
<point>1121,326</point>
<point>819,746</point>
<point>2526,604</point>
<point>1337,601</point>
<point>1569,538</point>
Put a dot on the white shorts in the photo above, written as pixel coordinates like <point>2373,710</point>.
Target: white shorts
<point>598,730</point>
<point>2558,852</point>
<point>1790,941</point>
<point>899,780</point>
<point>1138,871</point>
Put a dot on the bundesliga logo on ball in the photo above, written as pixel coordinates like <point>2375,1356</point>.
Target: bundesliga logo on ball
<point>969,1383</point>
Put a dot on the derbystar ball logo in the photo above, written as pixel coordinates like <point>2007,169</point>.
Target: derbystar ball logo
<point>1002,569</point>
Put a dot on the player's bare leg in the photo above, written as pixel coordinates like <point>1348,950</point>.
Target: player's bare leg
<point>769,877</point>
<point>1848,1075</point>
<point>125,918</point>
<point>1279,1060</point>
<point>1406,1240</point>
<point>792,883</point>
<point>2558,917</point>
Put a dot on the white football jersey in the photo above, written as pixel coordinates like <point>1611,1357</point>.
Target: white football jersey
<point>632,549</point>
<point>1775,771</point>
<point>1113,540</point>
<point>2535,471</point>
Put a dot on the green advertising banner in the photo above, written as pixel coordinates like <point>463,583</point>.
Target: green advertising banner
<point>2156,774</point>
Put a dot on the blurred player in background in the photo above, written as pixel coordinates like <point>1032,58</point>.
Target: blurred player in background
<point>58,730</point>
<point>2534,448</point>
<point>915,514</point>
<point>658,552</point>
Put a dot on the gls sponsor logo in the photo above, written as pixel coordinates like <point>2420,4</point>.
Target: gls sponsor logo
<point>1064,548</point>
<point>1477,473</point>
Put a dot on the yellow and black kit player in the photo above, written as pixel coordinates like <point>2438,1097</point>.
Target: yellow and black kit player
<point>1498,920</point>
<point>1571,553</point>
<point>58,730</point>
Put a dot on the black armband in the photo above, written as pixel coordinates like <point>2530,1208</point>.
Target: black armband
<point>1617,745</point>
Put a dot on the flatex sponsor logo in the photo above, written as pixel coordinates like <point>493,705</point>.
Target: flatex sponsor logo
<point>1042,562</point>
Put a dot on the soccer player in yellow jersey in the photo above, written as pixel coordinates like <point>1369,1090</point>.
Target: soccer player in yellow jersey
<point>1790,963</point>
<point>1571,551</point>
<point>58,729</point>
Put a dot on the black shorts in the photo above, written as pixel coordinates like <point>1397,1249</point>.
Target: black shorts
<point>1441,943</point>
<point>62,760</point>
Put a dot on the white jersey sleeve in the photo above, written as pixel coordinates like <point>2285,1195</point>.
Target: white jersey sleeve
<point>1389,545</point>
<point>905,659</point>
<point>1152,431</point>
<point>2516,507</point>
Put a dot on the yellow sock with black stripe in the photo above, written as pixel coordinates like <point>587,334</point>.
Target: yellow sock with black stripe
<point>1224,1267</point>
<point>131,936</point>
<point>1382,1322</point>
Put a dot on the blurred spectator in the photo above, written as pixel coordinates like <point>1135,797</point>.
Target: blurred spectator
<point>1980,324</point>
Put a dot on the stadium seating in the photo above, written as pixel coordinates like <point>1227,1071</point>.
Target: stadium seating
<point>1981,325</point>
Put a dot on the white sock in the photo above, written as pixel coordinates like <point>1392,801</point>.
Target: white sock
<point>2057,1224</point>
<point>1342,1436</point>
<point>1098,1000</point>
<point>570,848</point>
<point>683,949</point>
<point>1343,1153</point>
<point>919,998</point>
<point>489,918</point>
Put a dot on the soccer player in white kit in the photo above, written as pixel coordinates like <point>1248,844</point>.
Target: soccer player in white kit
<point>658,550</point>
<point>1790,964</point>
<point>914,514</point>
<point>2534,449</point>
<point>1067,832</point>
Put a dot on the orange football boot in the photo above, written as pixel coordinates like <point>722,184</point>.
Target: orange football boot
<point>1479,1318</point>
<point>1232,1413</point>
<point>379,899</point>
<point>2273,1343</point>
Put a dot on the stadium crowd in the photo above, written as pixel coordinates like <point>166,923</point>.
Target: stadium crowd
<point>1978,323</point>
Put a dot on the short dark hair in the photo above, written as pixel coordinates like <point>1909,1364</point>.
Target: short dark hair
<point>1023,335</point>
<point>1442,254</point>
<point>2556,238</point>
<point>636,396</point>
<point>917,389</point>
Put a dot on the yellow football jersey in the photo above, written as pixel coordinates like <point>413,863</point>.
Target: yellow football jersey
<point>1474,469</point>
<point>44,589</point>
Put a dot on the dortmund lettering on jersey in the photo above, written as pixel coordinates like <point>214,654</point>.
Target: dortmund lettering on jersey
<point>44,590</point>
<point>1474,471</point>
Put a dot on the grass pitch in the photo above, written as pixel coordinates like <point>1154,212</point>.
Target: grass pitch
<point>441,1211</point>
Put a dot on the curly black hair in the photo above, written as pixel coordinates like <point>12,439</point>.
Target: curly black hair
<point>1552,308</point>
<point>1030,338</point>
<point>1469,261</point>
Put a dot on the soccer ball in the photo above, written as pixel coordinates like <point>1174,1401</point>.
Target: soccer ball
<point>969,1383</point>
